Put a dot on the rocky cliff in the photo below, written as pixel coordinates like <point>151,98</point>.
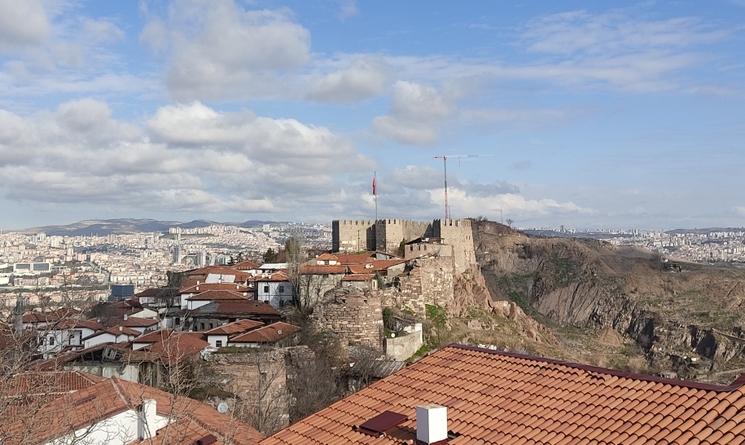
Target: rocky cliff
<point>685,319</point>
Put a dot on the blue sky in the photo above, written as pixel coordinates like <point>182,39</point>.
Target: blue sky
<point>587,114</point>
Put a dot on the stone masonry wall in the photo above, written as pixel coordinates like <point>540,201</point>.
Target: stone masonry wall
<point>353,315</point>
<point>429,281</point>
<point>352,235</point>
<point>390,232</point>
<point>457,233</point>
<point>259,381</point>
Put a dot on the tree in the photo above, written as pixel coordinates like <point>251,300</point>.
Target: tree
<point>270,256</point>
<point>294,255</point>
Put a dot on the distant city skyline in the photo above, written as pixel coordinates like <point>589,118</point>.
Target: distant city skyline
<point>588,115</point>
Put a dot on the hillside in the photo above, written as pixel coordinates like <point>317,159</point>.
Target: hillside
<point>621,307</point>
<point>129,225</point>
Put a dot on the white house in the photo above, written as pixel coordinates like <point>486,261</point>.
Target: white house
<point>264,335</point>
<point>65,334</point>
<point>275,289</point>
<point>116,334</point>
<point>220,336</point>
<point>113,411</point>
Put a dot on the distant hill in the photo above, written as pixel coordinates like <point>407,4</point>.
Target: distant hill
<point>128,225</point>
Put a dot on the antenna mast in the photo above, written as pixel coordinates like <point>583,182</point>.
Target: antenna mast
<point>445,174</point>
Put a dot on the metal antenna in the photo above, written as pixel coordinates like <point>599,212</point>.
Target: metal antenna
<point>445,174</point>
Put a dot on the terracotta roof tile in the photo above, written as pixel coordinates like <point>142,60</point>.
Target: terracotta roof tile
<point>236,327</point>
<point>107,397</point>
<point>221,295</point>
<point>505,398</point>
<point>267,334</point>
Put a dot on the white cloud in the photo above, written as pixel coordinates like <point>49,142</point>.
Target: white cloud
<point>417,112</point>
<point>220,49</point>
<point>362,79</point>
<point>614,33</point>
<point>517,206</point>
<point>22,23</point>
<point>225,162</point>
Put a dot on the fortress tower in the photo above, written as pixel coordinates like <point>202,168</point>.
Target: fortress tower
<point>386,235</point>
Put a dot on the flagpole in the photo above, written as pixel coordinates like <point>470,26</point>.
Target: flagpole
<point>375,193</point>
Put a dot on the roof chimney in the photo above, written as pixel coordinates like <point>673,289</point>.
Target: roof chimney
<point>431,423</point>
<point>125,316</point>
<point>147,419</point>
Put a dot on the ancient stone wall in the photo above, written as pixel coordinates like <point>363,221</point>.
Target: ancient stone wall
<point>352,235</point>
<point>429,281</point>
<point>390,232</point>
<point>353,315</point>
<point>457,233</point>
<point>258,379</point>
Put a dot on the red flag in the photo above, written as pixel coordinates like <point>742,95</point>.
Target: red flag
<point>374,186</point>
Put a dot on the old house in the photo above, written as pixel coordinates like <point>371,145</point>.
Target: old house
<point>78,408</point>
<point>275,334</point>
<point>220,312</point>
<point>275,289</point>
<point>219,336</point>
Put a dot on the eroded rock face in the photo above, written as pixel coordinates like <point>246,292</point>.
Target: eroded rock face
<point>679,316</point>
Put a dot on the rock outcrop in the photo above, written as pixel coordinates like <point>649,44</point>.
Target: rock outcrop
<point>687,318</point>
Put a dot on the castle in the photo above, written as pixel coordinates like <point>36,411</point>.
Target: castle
<point>410,239</point>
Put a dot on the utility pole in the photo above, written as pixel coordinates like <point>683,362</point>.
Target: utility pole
<point>445,174</point>
<point>445,171</point>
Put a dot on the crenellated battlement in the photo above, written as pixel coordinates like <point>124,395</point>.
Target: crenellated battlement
<point>387,235</point>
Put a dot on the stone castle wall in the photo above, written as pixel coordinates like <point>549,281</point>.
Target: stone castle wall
<point>386,235</point>
<point>390,232</point>
<point>352,235</point>
<point>429,281</point>
<point>457,233</point>
<point>355,316</point>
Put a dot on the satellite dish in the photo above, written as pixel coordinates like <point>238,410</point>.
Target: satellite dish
<point>222,408</point>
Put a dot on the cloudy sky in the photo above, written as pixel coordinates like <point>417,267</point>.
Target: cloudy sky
<point>589,114</point>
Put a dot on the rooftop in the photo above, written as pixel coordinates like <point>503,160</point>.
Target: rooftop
<point>507,398</point>
<point>267,334</point>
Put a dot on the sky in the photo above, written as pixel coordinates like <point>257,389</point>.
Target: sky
<point>584,114</point>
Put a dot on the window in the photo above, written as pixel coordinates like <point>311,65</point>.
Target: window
<point>218,343</point>
<point>281,289</point>
<point>51,341</point>
<point>266,289</point>
<point>177,321</point>
<point>201,326</point>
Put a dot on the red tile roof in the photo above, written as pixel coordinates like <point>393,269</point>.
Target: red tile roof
<point>267,334</point>
<point>247,265</point>
<point>155,336</point>
<point>379,265</point>
<point>236,308</point>
<point>355,258</point>
<point>115,330</point>
<point>320,269</point>
<point>202,287</point>
<point>327,257</point>
<point>86,406</point>
<point>218,295</point>
<point>236,327</point>
<point>137,322</point>
<point>505,398</point>
<point>179,346</point>
<point>49,316</point>
<point>278,276</point>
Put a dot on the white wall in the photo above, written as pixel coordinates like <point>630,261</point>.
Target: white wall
<point>119,429</point>
<point>213,339</point>
<point>197,304</point>
<point>278,292</point>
